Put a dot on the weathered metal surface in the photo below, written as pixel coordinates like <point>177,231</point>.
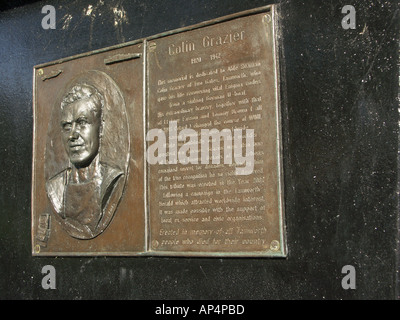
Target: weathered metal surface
<point>93,192</point>
<point>88,155</point>
<point>219,77</point>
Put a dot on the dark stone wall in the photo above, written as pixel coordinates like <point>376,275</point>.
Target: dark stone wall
<point>340,135</point>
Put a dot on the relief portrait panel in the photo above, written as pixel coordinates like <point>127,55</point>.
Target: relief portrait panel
<point>87,154</point>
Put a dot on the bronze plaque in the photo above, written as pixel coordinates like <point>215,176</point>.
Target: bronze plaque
<point>168,145</point>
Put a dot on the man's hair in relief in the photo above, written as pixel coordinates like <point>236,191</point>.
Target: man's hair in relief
<point>82,92</point>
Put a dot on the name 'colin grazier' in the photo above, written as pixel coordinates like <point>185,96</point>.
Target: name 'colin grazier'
<point>207,41</point>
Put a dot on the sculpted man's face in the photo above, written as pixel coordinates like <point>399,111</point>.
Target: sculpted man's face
<point>80,123</point>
